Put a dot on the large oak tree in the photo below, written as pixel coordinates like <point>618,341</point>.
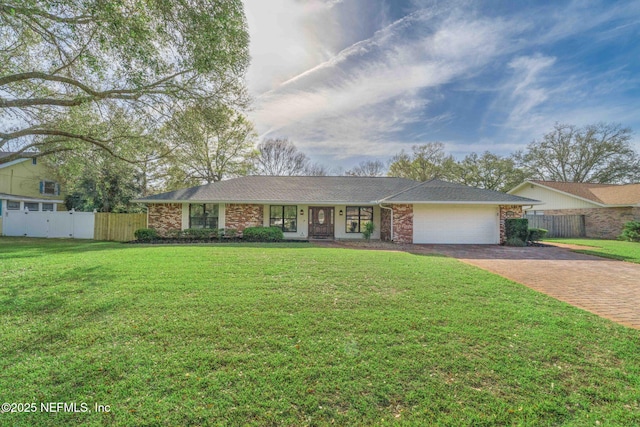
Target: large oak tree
<point>211,142</point>
<point>147,58</point>
<point>599,153</point>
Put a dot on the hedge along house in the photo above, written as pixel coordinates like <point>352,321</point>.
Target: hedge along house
<point>402,210</point>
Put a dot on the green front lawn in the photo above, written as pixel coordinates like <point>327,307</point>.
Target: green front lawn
<point>292,334</point>
<point>625,251</point>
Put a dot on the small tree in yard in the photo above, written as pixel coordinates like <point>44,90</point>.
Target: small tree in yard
<point>631,232</point>
<point>369,228</point>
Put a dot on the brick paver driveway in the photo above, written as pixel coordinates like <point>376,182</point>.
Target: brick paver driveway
<point>605,287</point>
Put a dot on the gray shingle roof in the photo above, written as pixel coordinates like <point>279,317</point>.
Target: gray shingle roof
<point>331,189</point>
<point>437,191</point>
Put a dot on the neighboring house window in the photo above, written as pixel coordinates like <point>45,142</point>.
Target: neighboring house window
<point>13,205</point>
<point>50,188</point>
<point>357,217</point>
<point>203,216</point>
<point>47,207</point>
<point>31,206</point>
<point>285,217</point>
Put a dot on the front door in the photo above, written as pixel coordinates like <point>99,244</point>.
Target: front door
<point>321,222</point>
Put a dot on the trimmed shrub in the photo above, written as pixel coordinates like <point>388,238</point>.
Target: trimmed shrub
<point>631,232</point>
<point>263,234</point>
<point>516,227</point>
<point>173,234</point>
<point>200,233</point>
<point>537,234</point>
<point>369,228</point>
<point>146,234</point>
<point>515,241</point>
<point>229,233</point>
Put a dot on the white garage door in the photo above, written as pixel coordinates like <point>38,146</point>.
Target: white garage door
<point>462,224</point>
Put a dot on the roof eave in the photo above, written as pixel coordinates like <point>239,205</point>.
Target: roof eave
<point>559,191</point>
<point>13,162</point>
<point>461,202</point>
<point>263,202</point>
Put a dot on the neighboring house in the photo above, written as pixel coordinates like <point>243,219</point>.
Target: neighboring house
<point>26,184</point>
<point>402,210</point>
<point>606,207</point>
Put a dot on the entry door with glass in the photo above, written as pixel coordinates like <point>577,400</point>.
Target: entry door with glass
<point>321,222</point>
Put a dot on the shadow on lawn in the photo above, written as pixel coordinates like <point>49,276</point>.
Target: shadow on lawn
<point>48,294</point>
<point>26,247</point>
<point>47,303</point>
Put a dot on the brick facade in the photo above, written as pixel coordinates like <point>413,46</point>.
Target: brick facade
<point>508,211</point>
<point>602,223</point>
<point>403,223</point>
<point>165,216</point>
<point>385,224</point>
<point>241,216</point>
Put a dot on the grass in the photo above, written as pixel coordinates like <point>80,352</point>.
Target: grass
<point>297,335</point>
<point>615,249</point>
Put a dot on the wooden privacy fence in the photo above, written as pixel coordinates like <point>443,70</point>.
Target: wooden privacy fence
<point>118,226</point>
<point>559,225</point>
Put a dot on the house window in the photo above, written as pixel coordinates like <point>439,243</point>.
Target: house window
<point>31,206</point>
<point>357,217</point>
<point>13,205</point>
<point>47,207</point>
<point>50,188</point>
<point>285,217</point>
<point>203,215</point>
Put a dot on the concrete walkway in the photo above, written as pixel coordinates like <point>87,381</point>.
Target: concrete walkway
<point>605,287</point>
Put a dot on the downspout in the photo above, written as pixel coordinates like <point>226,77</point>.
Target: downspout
<point>384,207</point>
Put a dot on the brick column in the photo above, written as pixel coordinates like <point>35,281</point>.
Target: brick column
<point>165,216</point>
<point>241,216</point>
<point>508,211</point>
<point>385,224</point>
<point>403,223</point>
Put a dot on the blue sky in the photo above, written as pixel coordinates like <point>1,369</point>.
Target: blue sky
<point>353,80</point>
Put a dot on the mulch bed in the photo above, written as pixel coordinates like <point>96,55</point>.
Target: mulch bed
<point>171,241</point>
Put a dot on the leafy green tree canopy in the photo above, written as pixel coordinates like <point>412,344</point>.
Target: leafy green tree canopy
<point>212,142</point>
<point>489,171</point>
<point>425,162</point>
<point>145,57</point>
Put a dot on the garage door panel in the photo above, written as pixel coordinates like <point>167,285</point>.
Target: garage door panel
<point>456,224</point>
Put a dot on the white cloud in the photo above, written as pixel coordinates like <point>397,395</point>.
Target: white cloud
<point>527,87</point>
<point>282,41</point>
<point>325,78</point>
<point>377,86</point>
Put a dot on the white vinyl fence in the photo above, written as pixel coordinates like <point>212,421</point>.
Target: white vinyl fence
<point>70,224</point>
